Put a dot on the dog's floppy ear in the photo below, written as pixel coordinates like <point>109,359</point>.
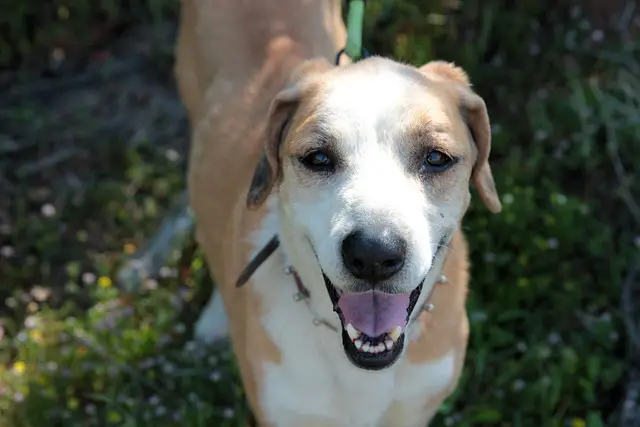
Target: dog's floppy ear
<point>282,110</point>
<point>267,171</point>
<point>475,114</point>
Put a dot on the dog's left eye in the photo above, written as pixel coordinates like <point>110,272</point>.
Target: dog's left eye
<point>318,161</point>
<point>436,161</point>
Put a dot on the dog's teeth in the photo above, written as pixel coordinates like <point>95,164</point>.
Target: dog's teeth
<point>395,333</point>
<point>366,347</point>
<point>373,349</point>
<point>353,332</point>
<point>381,348</point>
<point>388,344</point>
<point>358,344</point>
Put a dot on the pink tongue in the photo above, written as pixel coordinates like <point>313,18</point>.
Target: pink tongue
<point>374,312</point>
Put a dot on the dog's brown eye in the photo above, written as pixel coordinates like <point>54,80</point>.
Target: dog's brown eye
<point>318,161</point>
<point>437,160</point>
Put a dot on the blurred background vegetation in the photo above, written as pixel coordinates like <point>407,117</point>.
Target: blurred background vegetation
<point>93,145</point>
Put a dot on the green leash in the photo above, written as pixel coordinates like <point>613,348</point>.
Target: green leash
<point>355,18</point>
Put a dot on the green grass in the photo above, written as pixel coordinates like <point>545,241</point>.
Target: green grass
<point>547,346</point>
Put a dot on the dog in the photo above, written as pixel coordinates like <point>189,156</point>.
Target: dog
<point>328,202</point>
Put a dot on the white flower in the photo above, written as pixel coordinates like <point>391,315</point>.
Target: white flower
<point>172,155</point>
<point>597,35</point>
<point>518,385</point>
<point>48,210</point>
<point>7,251</point>
<point>88,278</point>
<point>554,338</point>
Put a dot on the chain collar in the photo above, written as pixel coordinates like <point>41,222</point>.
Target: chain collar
<point>302,293</point>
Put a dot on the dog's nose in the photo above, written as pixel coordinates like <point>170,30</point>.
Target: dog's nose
<point>373,256</point>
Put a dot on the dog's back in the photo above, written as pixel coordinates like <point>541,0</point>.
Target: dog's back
<point>232,58</point>
<point>231,44</point>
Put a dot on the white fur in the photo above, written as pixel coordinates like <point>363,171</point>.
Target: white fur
<point>368,114</point>
<point>315,383</point>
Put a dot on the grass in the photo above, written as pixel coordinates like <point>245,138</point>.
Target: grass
<point>547,344</point>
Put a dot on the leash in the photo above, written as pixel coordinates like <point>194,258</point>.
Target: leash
<point>355,19</point>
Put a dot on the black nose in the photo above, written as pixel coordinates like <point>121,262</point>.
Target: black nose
<point>373,256</point>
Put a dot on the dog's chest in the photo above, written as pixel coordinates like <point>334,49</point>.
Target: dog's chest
<point>315,384</point>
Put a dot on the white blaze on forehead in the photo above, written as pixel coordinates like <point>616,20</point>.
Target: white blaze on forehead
<point>367,100</point>
<point>367,112</point>
<point>379,103</point>
<point>380,182</point>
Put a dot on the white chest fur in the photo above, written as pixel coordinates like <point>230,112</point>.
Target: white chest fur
<point>315,384</point>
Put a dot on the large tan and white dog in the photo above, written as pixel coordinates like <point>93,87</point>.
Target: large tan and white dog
<point>343,187</point>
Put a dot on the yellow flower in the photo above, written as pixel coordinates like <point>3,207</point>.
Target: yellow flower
<point>104,282</point>
<point>19,367</point>
<point>129,248</point>
<point>114,417</point>
<point>63,13</point>
<point>578,422</point>
<point>73,403</point>
<point>35,335</point>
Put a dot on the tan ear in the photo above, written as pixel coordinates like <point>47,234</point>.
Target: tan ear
<point>282,110</point>
<point>441,70</point>
<point>268,168</point>
<point>478,122</point>
<point>475,113</point>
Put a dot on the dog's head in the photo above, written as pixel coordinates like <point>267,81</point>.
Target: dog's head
<point>372,163</point>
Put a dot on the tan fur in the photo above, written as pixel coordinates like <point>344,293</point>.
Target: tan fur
<point>446,70</point>
<point>233,58</point>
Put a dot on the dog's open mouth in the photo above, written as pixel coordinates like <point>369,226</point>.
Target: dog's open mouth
<point>373,324</point>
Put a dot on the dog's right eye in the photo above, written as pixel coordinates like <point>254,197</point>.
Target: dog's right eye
<point>317,161</point>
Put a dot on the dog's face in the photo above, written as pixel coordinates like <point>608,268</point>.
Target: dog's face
<point>372,163</point>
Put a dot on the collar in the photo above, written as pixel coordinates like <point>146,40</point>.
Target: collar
<point>302,293</point>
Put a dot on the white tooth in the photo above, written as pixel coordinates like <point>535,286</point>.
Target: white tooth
<point>388,344</point>
<point>373,349</point>
<point>366,347</point>
<point>380,348</point>
<point>353,332</point>
<point>358,344</point>
<point>395,333</point>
